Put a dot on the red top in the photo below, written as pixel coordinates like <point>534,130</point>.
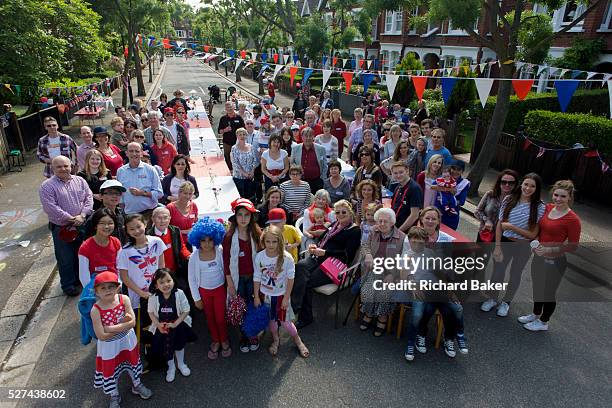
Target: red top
<point>566,228</point>
<point>271,89</point>
<point>339,130</point>
<point>420,179</point>
<point>101,258</point>
<point>316,130</point>
<point>245,257</point>
<point>111,317</point>
<point>183,222</point>
<point>114,161</point>
<point>310,165</point>
<point>165,154</point>
<point>380,113</point>
<point>169,260</point>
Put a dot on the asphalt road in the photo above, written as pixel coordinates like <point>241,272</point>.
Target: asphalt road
<point>507,366</point>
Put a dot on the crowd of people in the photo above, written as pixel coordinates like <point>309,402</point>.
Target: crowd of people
<point>124,222</point>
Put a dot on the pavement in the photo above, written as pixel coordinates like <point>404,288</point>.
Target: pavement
<point>507,366</point>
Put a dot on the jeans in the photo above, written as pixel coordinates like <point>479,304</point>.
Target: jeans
<point>245,288</point>
<point>67,256</point>
<point>457,309</point>
<point>246,187</point>
<point>546,275</point>
<point>448,317</point>
<point>269,183</point>
<point>418,308</point>
<point>518,253</point>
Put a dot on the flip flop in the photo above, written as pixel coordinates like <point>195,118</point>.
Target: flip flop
<point>213,355</point>
<point>303,350</point>
<point>226,352</point>
<point>273,349</point>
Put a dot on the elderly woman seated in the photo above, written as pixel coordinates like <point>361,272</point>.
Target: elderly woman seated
<point>386,241</point>
<point>340,241</point>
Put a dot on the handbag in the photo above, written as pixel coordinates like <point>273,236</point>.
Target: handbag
<point>332,267</point>
<point>486,235</point>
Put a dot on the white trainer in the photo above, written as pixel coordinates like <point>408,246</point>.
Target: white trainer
<point>488,305</point>
<point>170,374</point>
<point>527,318</point>
<point>536,325</point>
<point>502,309</point>
<point>184,370</point>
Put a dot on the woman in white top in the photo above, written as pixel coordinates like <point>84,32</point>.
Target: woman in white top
<point>427,176</point>
<point>358,122</point>
<point>328,141</point>
<point>395,136</point>
<point>274,163</point>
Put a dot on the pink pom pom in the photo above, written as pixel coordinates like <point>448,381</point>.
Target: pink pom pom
<point>235,311</point>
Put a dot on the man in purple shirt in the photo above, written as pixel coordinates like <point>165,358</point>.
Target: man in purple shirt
<point>68,201</point>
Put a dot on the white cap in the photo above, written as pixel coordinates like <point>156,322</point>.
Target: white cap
<point>112,184</point>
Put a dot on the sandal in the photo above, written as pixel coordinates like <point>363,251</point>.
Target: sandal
<point>273,349</point>
<point>226,351</point>
<point>212,354</point>
<point>304,352</point>
<point>365,324</point>
<point>380,328</point>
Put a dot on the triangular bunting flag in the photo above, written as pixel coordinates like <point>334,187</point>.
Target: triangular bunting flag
<point>295,59</point>
<point>264,56</point>
<point>447,88</point>
<point>448,71</point>
<point>563,72</point>
<point>552,71</point>
<point>483,86</point>
<point>275,58</point>
<point>526,144</point>
<point>17,89</point>
<point>604,167</point>
<point>277,69</point>
<point>326,74</point>
<point>591,75</point>
<point>225,60</point>
<point>292,72</point>
<point>565,91</point>
<point>466,70</point>
<point>610,95</point>
<point>248,64</point>
<point>231,53</point>
<point>324,61</point>
<point>482,67</point>
<point>238,62</point>
<point>206,48</point>
<point>8,86</point>
<point>360,63</point>
<point>541,152</point>
<point>591,153</point>
<point>435,72</point>
<point>369,64</point>
<point>367,80</point>
<point>344,61</point>
<point>540,69</point>
<point>391,83</point>
<point>519,65</point>
<point>522,87</point>
<point>576,74</point>
<point>605,79</point>
<point>348,80</point>
<point>254,56</point>
<point>419,83</point>
<point>286,58</point>
<point>307,74</point>
<point>263,69</point>
<point>219,50</point>
<point>334,60</point>
<point>243,54</point>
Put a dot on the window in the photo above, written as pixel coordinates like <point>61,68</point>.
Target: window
<point>606,23</point>
<point>458,31</point>
<point>398,16</point>
<point>393,22</point>
<point>180,33</point>
<point>413,29</point>
<point>385,55</point>
<point>388,21</point>
<point>566,15</point>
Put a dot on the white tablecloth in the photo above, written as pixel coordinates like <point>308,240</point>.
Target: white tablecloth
<point>104,103</point>
<point>207,205</point>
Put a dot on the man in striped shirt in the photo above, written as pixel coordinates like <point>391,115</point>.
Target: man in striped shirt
<point>68,201</point>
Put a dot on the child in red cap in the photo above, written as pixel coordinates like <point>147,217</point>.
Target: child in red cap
<point>291,235</point>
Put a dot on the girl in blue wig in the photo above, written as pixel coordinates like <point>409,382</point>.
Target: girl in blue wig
<point>207,281</point>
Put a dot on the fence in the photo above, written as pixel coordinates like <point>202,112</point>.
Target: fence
<point>585,172</point>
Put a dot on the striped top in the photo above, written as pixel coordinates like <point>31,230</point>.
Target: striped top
<point>519,217</point>
<point>295,198</point>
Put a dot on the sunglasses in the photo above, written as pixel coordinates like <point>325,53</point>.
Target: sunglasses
<point>139,137</point>
<point>169,114</point>
<point>343,212</point>
<point>364,155</point>
<point>51,126</point>
<point>508,182</point>
<point>180,112</point>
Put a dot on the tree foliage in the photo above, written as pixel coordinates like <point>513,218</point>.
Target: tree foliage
<point>534,37</point>
<point>583,54</point>
<point>312,39</point>
<point>404,91</point>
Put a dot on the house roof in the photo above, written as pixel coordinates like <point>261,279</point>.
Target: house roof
<point>308,7</point>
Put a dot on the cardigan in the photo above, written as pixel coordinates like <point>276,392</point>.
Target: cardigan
<point>182,306</point>
<point>343,245</point>
<point>167,181</point>
<point>396,245</point>
<point>296,157</point>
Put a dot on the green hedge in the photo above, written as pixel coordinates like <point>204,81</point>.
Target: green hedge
<point>568,128</point>
<point>595,102</point>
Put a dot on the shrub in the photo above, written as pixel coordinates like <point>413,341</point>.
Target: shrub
<point>566,129</point>
<point>595,102</point>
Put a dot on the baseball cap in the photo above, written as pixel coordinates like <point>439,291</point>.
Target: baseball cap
<point>276,215</point>
<point>245,203</point>
<point>295,127</point>
<point>106,277</point>
<point>116,184</point>
<point>264,120</point>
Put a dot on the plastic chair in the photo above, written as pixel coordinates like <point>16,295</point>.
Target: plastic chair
<point>229,92</point>
<point>15,161</point>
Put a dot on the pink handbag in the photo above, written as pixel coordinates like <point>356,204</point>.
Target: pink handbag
<point>332,268</point>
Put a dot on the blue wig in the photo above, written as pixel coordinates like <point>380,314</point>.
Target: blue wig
<point>206,228</point>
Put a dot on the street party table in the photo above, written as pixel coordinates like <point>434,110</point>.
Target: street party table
<point>105,104</point>
<point>88,114</point>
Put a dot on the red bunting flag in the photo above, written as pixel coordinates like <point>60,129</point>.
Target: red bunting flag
<point>275,57</point>
<point>166,43</point>
<point>243,54</point>
<point>292,71</point>
<point>348,80</point>
<point>591,153</point>
<point>522,87</point>
<point>541,152</point>
<point>206,48</point>
<point>334,60</point>
<point>360,62</point>
<point>526,144</point>
<point>419,83</point>
<point>125,52</point>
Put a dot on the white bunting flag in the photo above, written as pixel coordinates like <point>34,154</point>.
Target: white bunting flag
<point>238,62</point>
<point>482,66</point>
<point>483,86</point>
<point>253,55</point>
<point>591,75</point>
<point>519,65</point>
<point>224,61</point>
<point>552,71</point>
<point>277,69</point>
<point>180,43</point>
<point>563,72</point>
<point>344,61</point>
<point>326,74</point>
<point>369,64</point>
<point>610,93</point>
<point>391,83</point>
<point>248,64</point>
<point>286,58</point>
<point>540,69</point>
<point>219,50</point>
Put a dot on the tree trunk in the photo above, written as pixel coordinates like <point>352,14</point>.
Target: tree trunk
<point>261,86</point>
<point>237,71</point>
<point>139,80</point>
<point>126,73</point>
<point>489,147</point>
<point>150,70</point>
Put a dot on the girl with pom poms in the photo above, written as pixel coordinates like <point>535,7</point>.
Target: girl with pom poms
<point>273,279</point>
<point>240,246</point>
<point>207,281</point>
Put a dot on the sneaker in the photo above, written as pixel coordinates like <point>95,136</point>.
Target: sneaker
<point>536,325</point>
<point>115,401</point>
<point>462,343</point>
<point>142,391</point>
<point>488,305</point>
<point>502,309</point>
<point>449,348</point>
<point>170,374</point>
<point>184,370</point>
<point>244,345</point>
<point>527,318</point>
<point>421,345</point>
<point>253,344</point>
<point>409,354</point>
